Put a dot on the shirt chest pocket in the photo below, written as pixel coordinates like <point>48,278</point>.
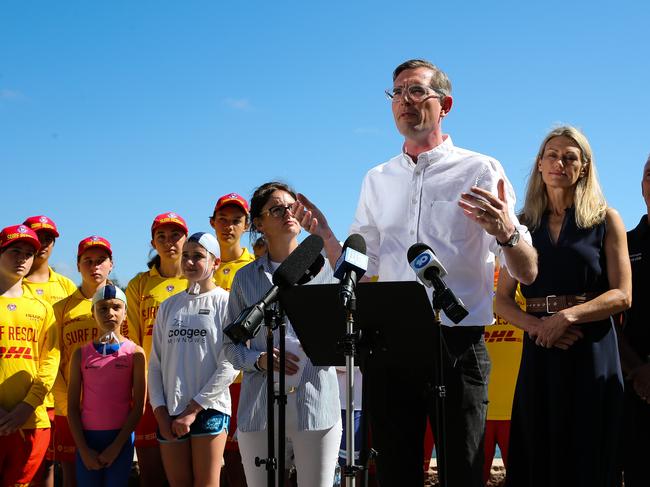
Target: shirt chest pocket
<point>446,221</point>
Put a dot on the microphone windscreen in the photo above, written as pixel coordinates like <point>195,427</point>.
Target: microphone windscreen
<point>415,250</point>
<point>355,242</point>
<point>312,271</point>
<point>298,262</point>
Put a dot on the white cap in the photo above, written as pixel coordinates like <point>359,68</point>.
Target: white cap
<point>207,241</point>
<point>109,292</point>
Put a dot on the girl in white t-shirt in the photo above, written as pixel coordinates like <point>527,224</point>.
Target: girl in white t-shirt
<point>188,373</point>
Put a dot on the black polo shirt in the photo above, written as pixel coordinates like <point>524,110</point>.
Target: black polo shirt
<point>637,327</point>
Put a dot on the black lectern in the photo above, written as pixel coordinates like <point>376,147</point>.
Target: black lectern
<point>395,326</point>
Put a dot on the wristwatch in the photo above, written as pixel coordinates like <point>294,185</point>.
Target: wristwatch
<point>512,241</point>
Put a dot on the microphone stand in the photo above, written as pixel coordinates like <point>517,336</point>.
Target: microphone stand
<point>273,319</point>
<point>366,454</point>
<point>440,395</point>
<point>350,343</point>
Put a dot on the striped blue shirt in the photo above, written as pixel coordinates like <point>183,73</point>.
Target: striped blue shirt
<point>317,394</point>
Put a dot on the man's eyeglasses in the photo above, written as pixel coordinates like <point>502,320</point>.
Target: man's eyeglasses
<point>278,211</point>
<point>415,93</point>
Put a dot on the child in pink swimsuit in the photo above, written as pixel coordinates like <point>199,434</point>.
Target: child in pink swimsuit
<point>106,396</point>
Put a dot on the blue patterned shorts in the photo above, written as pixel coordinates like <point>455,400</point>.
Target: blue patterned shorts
<point>208,422</point>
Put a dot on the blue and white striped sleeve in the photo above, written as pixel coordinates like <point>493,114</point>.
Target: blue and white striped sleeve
<point>239,355</point>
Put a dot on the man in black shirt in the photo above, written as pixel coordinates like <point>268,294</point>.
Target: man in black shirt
<point>634,344</point>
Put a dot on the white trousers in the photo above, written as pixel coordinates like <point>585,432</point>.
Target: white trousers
<point>316,452</point>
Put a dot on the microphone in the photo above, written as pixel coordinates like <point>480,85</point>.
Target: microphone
<point>351,266</point>
<point>299,267</point>
<point>425,263</point>
<point>312,271</point>
<point>430,271</point>
<point>299,263</point>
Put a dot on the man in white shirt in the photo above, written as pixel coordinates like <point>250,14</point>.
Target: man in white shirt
<point>461,204</point>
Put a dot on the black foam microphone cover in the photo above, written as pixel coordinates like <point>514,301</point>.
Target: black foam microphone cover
<point>312,271</point>
<point>298,262</point>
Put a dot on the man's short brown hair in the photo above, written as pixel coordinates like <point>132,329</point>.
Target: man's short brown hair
<point>439,81</point>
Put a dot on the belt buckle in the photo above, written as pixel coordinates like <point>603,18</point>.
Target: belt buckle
<point>548,310</point>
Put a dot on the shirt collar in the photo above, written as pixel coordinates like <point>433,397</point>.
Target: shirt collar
<point>244,257</point>
<point>263,262</point>
<point>430,157</point>
<point>50,277</point>
<point>264,265</point>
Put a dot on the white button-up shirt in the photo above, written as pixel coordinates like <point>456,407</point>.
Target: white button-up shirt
<point>402,203</point>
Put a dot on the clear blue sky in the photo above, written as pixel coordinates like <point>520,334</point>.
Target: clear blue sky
<point>113,112</point>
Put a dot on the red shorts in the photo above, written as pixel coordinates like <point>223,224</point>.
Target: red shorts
<point>64,445</point>
<point>235,390</point>
<point>49,454</point>
<point>497,432</point>
<point>429,443</point>
<point>145,432</point>
<point>21,453</point>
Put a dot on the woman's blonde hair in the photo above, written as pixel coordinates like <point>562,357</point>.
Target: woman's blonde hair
<point>588,199</point>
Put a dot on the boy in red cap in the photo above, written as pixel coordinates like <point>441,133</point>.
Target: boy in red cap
<point>42,279</point>
<point>51,286</point>
<point>230,219</point>
<point>29,360</point>
<point>75,326</point>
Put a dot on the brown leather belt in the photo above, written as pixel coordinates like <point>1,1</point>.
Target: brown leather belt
<point>552,304</point>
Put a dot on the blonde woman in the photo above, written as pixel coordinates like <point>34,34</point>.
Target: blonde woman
<point>568,397</point>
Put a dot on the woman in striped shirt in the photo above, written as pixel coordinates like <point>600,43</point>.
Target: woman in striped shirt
<point>313,421</point>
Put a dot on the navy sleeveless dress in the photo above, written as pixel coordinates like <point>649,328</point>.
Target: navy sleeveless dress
<point>567,405</point>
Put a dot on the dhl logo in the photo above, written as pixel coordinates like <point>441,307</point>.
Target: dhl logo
<point>16,352</point>
<point>501,336</point>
